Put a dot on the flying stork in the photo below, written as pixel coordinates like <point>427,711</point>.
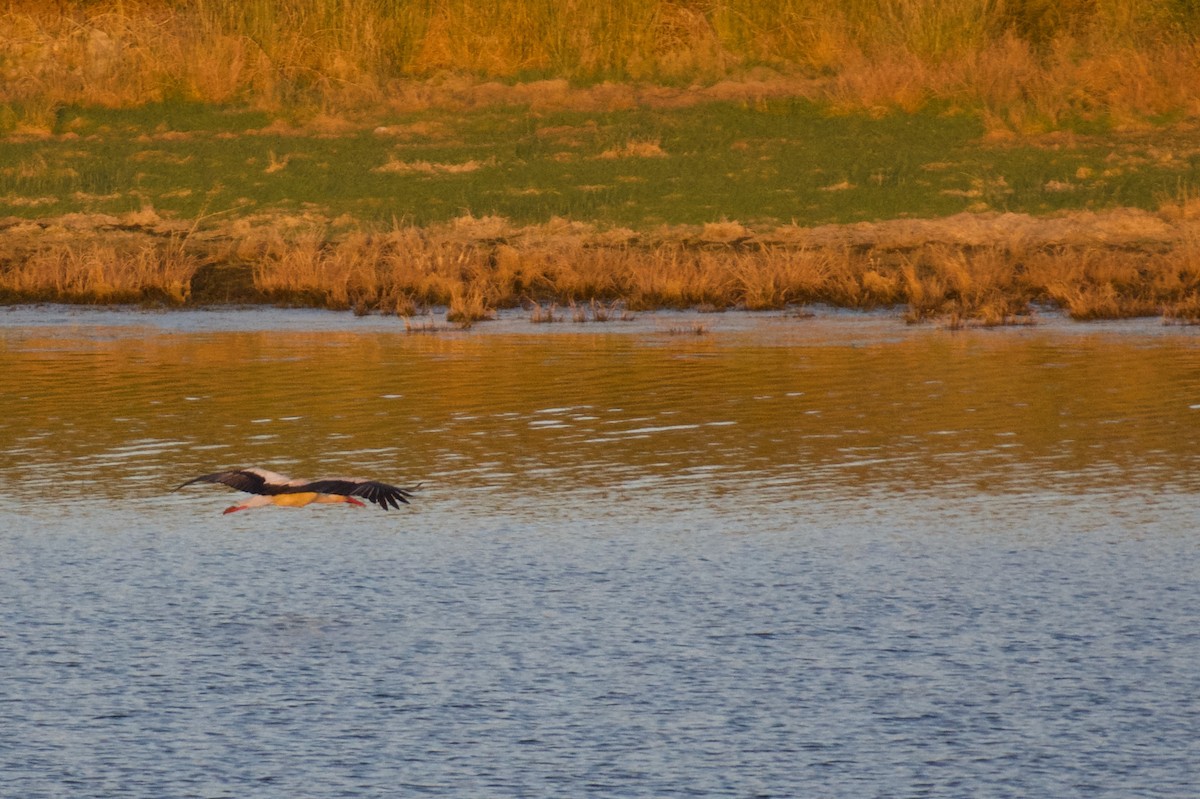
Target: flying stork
<point>276,489</point>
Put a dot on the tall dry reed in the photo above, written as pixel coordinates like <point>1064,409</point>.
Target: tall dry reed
<point>477,266</point>
<point>473,267</point>
<point>97,272</point>
<point>1027,63</point>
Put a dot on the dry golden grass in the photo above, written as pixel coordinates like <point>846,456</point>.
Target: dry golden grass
<point>97,272</point>
<point>597,311</point>
<point>635,149</point>
<point>1028,64</point>
<point>979,286</point>
<point>1100,284</point>
<point>395,167</point>
<point>473,267</point>
<point>542,314</point>
<point>468,306</point>
<point>693,329</point>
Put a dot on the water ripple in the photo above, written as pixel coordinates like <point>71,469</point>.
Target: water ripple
<point>785,562</point>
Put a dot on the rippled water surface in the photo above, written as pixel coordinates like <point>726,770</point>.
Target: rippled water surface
<point>834,557</point>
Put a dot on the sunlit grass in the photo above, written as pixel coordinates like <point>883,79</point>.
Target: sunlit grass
<point>100,272</point>
<point>472,267</point>
<point>1024,65</point>
<point>468,305</point>
<point>778,162</point>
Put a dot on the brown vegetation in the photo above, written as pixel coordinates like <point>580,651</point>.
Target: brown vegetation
<point>1028,64</point>
<point>988,269</point>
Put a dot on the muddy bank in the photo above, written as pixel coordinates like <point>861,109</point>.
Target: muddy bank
<point>983,268</point>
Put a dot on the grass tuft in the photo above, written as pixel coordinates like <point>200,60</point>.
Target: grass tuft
<point>693,329</point>
<point>468,306</point>
<point>542,314</point>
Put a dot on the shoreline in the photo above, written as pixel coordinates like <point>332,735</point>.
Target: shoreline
<point>680,327</point>
<point>967,269</point>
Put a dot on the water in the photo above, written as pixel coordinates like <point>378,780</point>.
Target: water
<point>836,557</point>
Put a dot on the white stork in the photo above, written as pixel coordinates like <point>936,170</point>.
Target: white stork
<point>276,489</point>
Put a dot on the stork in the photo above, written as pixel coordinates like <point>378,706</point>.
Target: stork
<point>270,488</point>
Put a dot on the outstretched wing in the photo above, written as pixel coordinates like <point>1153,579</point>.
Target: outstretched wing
<point>252,481</point>
<point>381,494</point>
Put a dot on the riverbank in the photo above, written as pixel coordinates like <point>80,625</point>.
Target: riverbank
<point>986,268</point>
<point>553,198</point>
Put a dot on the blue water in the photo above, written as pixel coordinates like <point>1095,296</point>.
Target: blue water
<point>652,634</point>
<point>503,658</point>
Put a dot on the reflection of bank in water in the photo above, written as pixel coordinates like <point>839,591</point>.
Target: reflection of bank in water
<point>761,406</point>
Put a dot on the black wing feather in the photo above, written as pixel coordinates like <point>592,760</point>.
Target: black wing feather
<point>241,479</point>
<point>381,494</point>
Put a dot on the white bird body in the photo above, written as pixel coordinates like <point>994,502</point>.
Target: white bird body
<point>272,488</point>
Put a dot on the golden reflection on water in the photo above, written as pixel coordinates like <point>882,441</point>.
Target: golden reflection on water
<point>131,411</point>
